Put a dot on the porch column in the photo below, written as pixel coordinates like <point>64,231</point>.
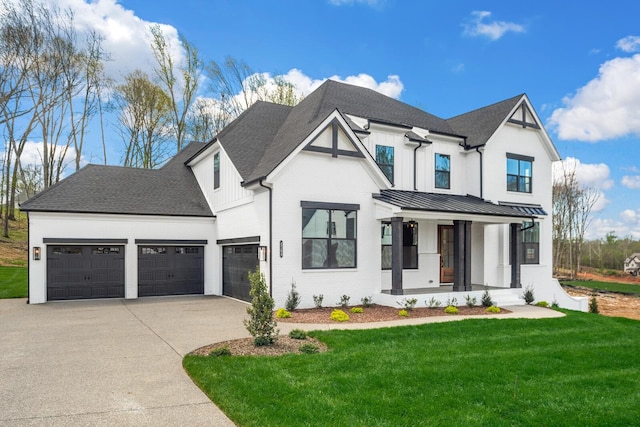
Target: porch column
<point>396,255</point>
<point>516,261</point>
<point>461,256</point>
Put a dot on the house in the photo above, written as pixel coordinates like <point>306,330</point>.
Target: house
<point>349,192</point>
<point>632,264</point>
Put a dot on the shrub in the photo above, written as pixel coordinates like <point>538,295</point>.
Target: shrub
<point>528,295</point>
<point>452,302</point>
<point>282,313</point>
<point>317,300</point>
<point>542,304</point>
<point>309,348</point>
<point>486,300</point>
<point>339,316</point>
<point>261,325</point>
<point>344,301</point>
<point>220,352</point>
<point>433,303</point>
<point>593,305</point>
<point>298,334</point>
<point>403,313</point>
<point>470,301</point>
<point>408,303</point>
<point>451,309</point>
<point>366,301</point>
<point>293,298</point>
<point>357,310</point>
<point>493,309</point>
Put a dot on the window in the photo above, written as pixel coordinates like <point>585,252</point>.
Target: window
<point>180,250</point>
<point>443,171</point>
<point>328,238</point>
<point>384,158</point>
<point>530,243</point>
<point>216,171</point>
<point>409,245</point>
<point>148,250</point>
<point>519,173</point>
<point>105,250</point>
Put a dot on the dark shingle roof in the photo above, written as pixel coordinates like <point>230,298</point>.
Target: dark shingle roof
<point>479,125</point>
<point>170,190</point>
<point>294,124</point>
<point>436,202</point>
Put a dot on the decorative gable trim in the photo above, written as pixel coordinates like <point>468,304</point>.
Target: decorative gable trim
<point>524,117</point>
<point>334,150</point>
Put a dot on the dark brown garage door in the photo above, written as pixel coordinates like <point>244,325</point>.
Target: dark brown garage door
<point>170,270</point>
<point>237,262</point>
<point>82,272</point>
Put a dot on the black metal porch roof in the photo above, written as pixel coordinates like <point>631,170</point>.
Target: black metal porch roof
<point>450,203</point>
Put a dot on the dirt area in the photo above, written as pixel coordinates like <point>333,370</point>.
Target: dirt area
<point>12,252</point>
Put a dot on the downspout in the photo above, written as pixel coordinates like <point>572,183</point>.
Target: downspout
<point>415,166</point>
<point>270,253</point>
<point>481,175</point>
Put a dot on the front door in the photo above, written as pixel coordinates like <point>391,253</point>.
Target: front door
<point>445,249</point>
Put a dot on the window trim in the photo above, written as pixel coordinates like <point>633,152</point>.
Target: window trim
<point>520,158</point>
<point>216,170</point>
<point>436,171</point>
<point>330,207</point>
<point>391,165</point>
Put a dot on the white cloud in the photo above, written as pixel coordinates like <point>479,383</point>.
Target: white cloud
<point>493,30</point>
<point>629,44</point>
<point>629,216</point>
<point>595,176</point>
<point>631,182</point>
<point>126,36</point>
<point>606,107</point>
<point>372,3</point>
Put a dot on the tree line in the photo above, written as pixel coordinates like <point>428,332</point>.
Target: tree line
<point>54,88</point>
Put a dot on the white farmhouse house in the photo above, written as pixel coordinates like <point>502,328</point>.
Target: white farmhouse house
<point>632,264</point>
<point>349,192</point>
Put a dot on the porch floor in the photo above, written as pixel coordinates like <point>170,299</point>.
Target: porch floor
<point>445,288</point>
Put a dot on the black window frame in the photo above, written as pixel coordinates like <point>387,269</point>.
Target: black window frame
<point>410,251</point>
<point>520,183</point>
<point>387,168</point>
<point>530,242</point>
<point>331,261</point>
<point>442,172</point>
<point>216,170</point>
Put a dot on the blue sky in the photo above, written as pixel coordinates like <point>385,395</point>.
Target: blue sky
<point>578,61</point>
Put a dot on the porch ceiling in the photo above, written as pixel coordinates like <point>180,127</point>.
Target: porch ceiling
<point>448,206</point>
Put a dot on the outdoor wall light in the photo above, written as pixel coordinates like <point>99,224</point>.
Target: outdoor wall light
<point>281,249</point>
<point>262,253</point>
<point>36,253</point>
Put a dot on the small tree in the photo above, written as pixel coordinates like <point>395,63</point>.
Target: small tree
<point>293,298</point>
<point>593,305</point>
<point>261,324</point>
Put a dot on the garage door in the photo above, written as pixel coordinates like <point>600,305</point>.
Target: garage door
<point>237,262</point>
<point>82,272</point>
<point>170,270</point>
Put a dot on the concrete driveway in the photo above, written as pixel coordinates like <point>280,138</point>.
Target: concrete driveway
<point>109,362</point>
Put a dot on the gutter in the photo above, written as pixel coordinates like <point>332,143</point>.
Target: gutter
<point>270,253</point>
<point>415,165</point>
<point>481,174</point>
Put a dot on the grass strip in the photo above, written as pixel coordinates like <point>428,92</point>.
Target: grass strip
<point>13,282</point>
<point>605,286</point>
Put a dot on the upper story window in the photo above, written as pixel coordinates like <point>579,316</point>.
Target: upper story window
<point>519,173</point>
<point>443,171</point>
<point>329,235</point>
<point>384,158</point>
<point>409,245</point>
<point>216,170</point>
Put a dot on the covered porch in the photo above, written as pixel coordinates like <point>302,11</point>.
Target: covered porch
<point>465,244</point>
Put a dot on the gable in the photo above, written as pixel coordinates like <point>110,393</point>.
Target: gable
<point>333,139</point>
<point>523,116</point>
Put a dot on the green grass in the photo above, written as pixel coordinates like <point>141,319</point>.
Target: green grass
<point>13,282</point>
<point>579,370</point>
<point>605,286</point>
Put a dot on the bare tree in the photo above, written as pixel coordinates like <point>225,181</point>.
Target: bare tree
<point>181,89</point>
<point>572,206</point>
<point>145,117</point>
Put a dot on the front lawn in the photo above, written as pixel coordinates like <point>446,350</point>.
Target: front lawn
<point>605,286</point>
<point>13,282</point>
<point>579,370</point>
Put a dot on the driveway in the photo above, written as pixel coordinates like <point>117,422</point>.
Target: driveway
<point>109,362</point>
